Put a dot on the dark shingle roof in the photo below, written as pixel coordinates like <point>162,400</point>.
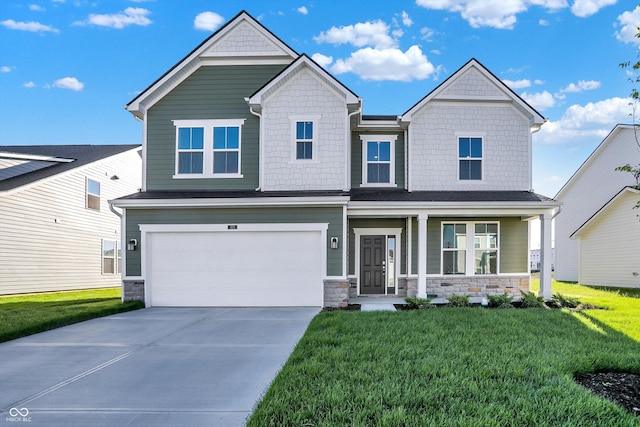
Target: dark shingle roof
<point>81,155</point>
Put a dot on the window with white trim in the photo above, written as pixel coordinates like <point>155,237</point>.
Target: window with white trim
<point>470,158</point>
<point>378,160</point>
<point>111,256</point>
<point>304,140</point>
<point>470,247</point>
<point>208,148</point>
<point>93,194</point>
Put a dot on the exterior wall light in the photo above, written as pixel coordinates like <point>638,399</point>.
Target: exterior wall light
<point>334,243</point>
<point>131,246</point>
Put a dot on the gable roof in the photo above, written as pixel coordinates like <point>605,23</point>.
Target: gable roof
<point>603,209</point>
<point>25,164</point>
<point>302,62</point>
<point>217,49</point>
<point>593,157</point>
<point>502,93</point>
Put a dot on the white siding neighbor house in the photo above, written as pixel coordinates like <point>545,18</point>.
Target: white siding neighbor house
<point>57,231</point>
<point>598,233</point>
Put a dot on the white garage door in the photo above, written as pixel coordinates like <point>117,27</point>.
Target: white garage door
<point>235,268</point>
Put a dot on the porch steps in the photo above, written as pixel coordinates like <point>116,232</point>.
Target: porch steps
<point>377,307</point>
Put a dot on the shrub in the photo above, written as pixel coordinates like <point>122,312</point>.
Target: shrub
<point>499,300</point>
<point>459,300</point>
<point>531,300</point>
<point>565,301</point>
<point>416,303</point>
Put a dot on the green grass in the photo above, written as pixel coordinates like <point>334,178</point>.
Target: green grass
<point>28,314</point>
<point>457,367</point>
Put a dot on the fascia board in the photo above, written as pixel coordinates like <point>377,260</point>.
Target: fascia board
<point>231,202</point>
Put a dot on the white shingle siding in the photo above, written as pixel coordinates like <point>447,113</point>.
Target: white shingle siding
<point>473,84</point>
<point>610,246</point>
<point>595,183</point>
<point>304,95</point>
<point>243,38</point>
<point>506,149</point>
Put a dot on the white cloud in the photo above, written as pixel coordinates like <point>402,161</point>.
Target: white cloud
<point>629,22</point>
<point>130,16</point>
<point>28,26</point>
<point>585,8</point>
<point>406,19</point>
<point>6,69</point>
<point>29,85</point>
<point>517,84</point>
<point>303,10</point>
<point>207,21</point>
<point>581,86</point>
<point>426,33</point>
<point>322,60</point>
<point>374,33</point>
<point>554,179</point>
<point>36,8</point>
<point>538,82</point>
<point>69,83</point>
<point>490,13</point>
<point>591,121</point>
<point>540,100</point>
<point>386,64</point>
<point>543,22</point>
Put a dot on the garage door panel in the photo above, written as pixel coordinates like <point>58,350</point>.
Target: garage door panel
<point>283,268</point>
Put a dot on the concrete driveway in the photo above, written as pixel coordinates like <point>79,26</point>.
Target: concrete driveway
<point>155,366</point>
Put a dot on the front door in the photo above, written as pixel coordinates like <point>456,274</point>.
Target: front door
<point>372,264</point>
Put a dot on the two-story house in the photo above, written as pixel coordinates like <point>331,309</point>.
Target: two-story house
<point>265,185</point>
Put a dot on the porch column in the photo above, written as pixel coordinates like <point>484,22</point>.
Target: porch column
<point>422,255</point>
<point>545,256</point>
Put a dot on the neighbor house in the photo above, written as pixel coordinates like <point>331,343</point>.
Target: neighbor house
<point>57,231</point>
<point>597,236</point>
<point>264,184</point>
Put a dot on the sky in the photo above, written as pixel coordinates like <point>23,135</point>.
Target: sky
<point>68,67</point>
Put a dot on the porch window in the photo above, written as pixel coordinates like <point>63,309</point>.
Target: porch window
<point>454,243</point>
<point>470,247</point>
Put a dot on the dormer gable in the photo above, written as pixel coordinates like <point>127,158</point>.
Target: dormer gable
<point>474,82</point>
<point>242,41</point>
<point>304,63</point>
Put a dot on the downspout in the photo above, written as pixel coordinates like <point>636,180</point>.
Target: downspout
<point>261,153</point>
<point>347,182</point>
<point>123,262</point>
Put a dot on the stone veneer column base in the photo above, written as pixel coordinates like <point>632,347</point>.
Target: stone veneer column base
<point>336,293</point>
<point>477,286</point>
<point>133,290</point>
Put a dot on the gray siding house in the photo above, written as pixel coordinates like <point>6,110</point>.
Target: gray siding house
<point>56,229</point>
<point>264,184</point>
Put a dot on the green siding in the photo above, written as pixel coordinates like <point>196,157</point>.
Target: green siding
<point>209,93</point>
<point>356,158</point>
<point>513,243</point>
<point>377,223</point>
<point>332,216</point>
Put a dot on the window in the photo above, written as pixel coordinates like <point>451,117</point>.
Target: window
<point>378,165</point>
<point>486,248</point>
<point>110,257</point>
<point>454,243</point>
<point>208,148</point>
<point>470,158</point>
<point>304,140</point>
<point>477,238</point>
<point>226,149</point>
<point>190,150</point>
<point>93,194</point>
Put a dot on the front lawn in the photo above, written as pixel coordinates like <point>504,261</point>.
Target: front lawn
<point>28,314</point>
<point>456,367</point>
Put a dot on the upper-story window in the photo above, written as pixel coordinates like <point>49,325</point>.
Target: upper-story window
<point>378,160</point>
<point>208,148</point>
<point>93,194</point>
<point>304,133</point>
<point>470,158</point>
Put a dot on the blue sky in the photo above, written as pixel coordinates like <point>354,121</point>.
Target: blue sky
<point>67,67</point>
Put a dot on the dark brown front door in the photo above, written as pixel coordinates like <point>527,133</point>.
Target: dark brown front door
<point>372,264</point>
